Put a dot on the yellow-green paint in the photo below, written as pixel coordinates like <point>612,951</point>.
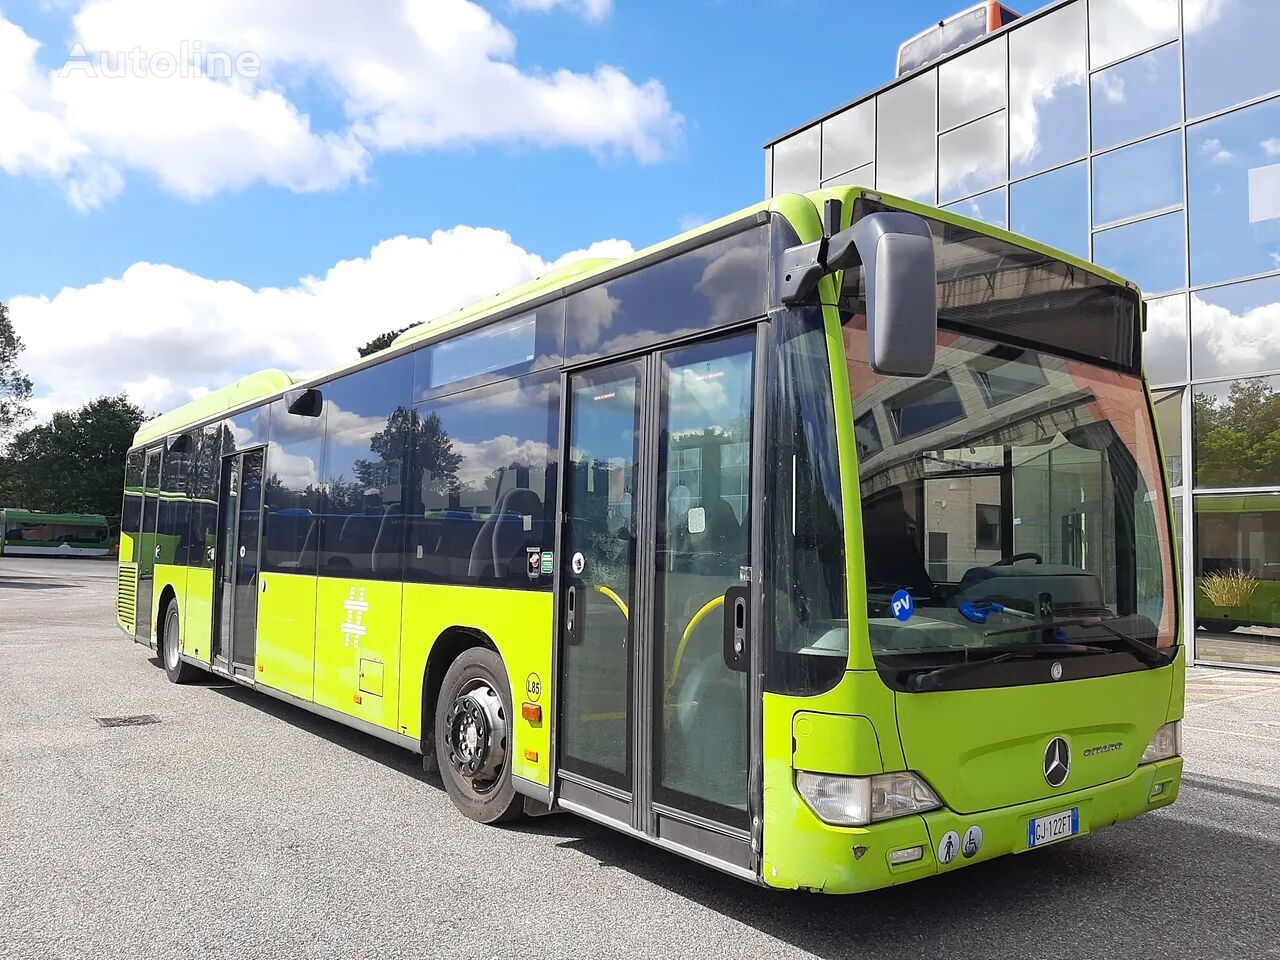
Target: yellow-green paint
<point>197,621</point>
<point>246,390</point>
<point>369,610</point>
<point>834,743</point>
<point>286,648</point>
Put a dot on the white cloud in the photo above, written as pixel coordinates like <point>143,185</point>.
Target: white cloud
<point>1225,342</point>
<point>591,9</point>
<point>166,335</point>
<point>1272,146</point>
<point>406,74</point>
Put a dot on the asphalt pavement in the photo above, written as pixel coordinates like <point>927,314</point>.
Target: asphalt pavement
<point>238,826</point>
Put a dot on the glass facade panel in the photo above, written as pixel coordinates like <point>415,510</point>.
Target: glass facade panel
<point>849,139</point>
<point>1164,345</point>
<point>1231,52</point>
<point>1237,573</point>
<point>972,84</point>
<point>1236,433</point>
<point>1168,405</point>
<point>795,162</point>
<point>1047,108</point>
<point>972,158</point>
<point>987,207</point>
<point>1118,28</point>
<point>1137,179</point>
<point>1236,329</point>
<point>1053,208</point>
<point>863,176</point>
<point>1152,253</point>
<point>1233,171</point>
<point>1136,97</point>
<point>906,124</point>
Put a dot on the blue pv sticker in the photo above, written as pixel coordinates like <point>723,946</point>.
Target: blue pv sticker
<point>903,605</point>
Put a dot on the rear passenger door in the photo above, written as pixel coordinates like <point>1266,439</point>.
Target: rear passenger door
<point>148,548</point>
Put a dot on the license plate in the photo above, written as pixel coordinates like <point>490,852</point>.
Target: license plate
<point>1056,826</point>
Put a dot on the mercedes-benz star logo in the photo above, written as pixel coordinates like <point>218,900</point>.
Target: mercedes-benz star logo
<point>1057,762</point>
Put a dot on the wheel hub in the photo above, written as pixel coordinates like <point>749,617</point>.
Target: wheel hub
<point>476,734</point>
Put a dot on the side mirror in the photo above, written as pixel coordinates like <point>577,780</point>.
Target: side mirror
<point>304,403</point>
<point>896,250</point>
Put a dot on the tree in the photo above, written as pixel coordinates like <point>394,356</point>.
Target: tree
<point>1237,437</point>
<point>75,462</point>
<point>381,342</point>
<point>15,386</point>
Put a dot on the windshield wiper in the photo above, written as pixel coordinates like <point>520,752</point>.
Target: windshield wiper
<point>1151,656</point>
<point>925,680</point>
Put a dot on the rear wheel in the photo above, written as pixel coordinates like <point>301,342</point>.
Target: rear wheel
<point>474,737</point>
<point>178,670</point>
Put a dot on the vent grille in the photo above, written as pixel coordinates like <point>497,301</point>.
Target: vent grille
<point>136,720</point>
<point>127,595</point>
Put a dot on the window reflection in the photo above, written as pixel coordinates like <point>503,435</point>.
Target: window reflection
<point>1234,175</point>
<point>1168,406</point>
<point>1118,28</point>
<point>1237,571</point>
<point>1136,97</point>
<point>972,85</point>
<point>1164,345</point>
<point>972,157</point>
<point>1233,425</point>
<point>1236,329</point>
<point>1047,119</point>
<point>795,162</point>
<point>1137,179</point>
<point>1152,253</point>
<point>987,207</point>
<point>1053,208</point>
<point>863,176</point>
<point>905,130</point>
<point>1231,55</point>
<point>849,139</point>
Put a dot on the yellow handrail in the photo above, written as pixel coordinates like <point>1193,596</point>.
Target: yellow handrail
<point>688,632</point>
<point>615,598</point>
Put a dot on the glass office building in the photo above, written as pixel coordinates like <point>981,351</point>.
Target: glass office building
<point>1143,135</point>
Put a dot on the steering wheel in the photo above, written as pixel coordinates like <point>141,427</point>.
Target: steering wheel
<point>1010,561</point>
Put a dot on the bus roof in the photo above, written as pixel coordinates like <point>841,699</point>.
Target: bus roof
<point>798,208</point>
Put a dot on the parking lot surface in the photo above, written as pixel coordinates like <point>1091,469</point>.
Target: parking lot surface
<point>238,826</point>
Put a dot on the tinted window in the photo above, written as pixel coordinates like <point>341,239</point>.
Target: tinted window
<point>972,84</point>
<point>1053,208</point>
<point>972,158</point>
<point>250,429</point>
<point>482,485</point>
<point>1164,345</point>
<point>1137,179</point>
<point>1233,171</point>
<point>720,283</point>
<point>211,442</point>
<point>131,511</point>
<point>292,493</point>
<point>795,162</point>
<point>1118,28</point>
<point>1047,119</point>
<point>905,120</point>
<point>986,207</point>
<point>849,139</point>
<point>1236,329</point>
<point>924,407</point>
<point>367,430</point>
<point>1007,373</point>
<point>506,348</point>
<point>1231,54</point>
<point>1152,253</point>
<point>175,503</point>
<point>1137,97</point>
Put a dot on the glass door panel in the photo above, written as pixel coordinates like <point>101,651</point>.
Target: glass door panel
<point>249,529</point>
<point>147,549</point>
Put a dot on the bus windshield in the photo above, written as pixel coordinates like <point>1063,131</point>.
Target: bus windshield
<point>1013,498</point>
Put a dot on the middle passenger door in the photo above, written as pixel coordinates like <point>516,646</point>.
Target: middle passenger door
<point>657,561</point>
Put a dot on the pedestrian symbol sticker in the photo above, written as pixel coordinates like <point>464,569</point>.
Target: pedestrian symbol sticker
<point>972,842</point>
<point>949,847</point>
<point>903,605</point>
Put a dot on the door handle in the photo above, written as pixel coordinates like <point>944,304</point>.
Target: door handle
<point>571,614</point>
<point>264,585</point>
<point>737,627</point>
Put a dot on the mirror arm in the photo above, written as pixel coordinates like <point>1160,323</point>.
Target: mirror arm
<point>800,270</point>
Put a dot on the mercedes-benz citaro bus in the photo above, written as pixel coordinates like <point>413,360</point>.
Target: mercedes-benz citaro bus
<point>826,544</point>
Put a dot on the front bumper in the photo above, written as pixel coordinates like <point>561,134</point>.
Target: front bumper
<point>855,860</point>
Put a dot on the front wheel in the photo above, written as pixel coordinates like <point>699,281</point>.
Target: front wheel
<point>474,737</point>
<point>178,670</point>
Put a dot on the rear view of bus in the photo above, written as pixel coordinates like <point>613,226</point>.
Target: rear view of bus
<point>1014,679</point>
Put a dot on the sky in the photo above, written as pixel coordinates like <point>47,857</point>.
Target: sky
<point>193,191</point>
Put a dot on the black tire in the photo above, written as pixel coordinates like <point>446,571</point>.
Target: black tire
<point>476,698</point>
<point>177,669</point>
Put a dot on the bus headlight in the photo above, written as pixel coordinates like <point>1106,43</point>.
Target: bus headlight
<point>859,801</point>
<point>1165,744</point>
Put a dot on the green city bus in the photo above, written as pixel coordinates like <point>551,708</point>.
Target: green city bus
<point>30,533</point>
<point>827,544</point>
